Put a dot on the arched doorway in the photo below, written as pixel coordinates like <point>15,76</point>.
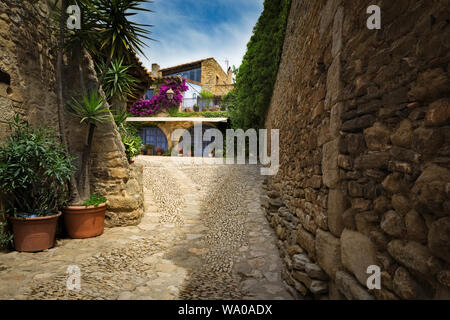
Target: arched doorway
<point>154,136</point>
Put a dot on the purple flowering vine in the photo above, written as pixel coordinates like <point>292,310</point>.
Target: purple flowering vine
<point>160,101</point>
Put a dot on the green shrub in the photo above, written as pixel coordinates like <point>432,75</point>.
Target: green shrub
<point>34,170</point>
<point>133,144</point>
<point>255,78</point>
<point>94,200</point>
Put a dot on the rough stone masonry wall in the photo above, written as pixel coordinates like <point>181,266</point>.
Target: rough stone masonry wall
<point>28,55</point>
<point>364,150</point>
<point>210,70</point>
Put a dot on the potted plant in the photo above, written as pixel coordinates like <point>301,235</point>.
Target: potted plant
<point>131,144</point>
<point>159,151</point>
<point>150,149</point>
<point>81,219</point>
<point>196,108</point>
<point>34,173</point>
<point>87,220</point>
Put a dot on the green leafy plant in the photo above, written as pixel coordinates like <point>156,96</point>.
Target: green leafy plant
<point>132,145</point>
<point>94,200</point>
<point>205,94</point>
<point>92,110</point>
<point>118,82</point>
<point>34,170</point>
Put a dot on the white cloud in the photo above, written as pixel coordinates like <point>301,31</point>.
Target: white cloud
<point>180,41</point>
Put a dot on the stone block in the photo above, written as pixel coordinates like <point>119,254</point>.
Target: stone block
<point>439,238</point>
<point>438,113</point>
<point>306,240</point>
<point>337,204</point>
<point>403,135</point>
<point>414,256</point>
<point>405,286</point>
<point>328,249</point>
<point>358,124</point>
<point>393,224</point>
<point>315,272</point>
<point>330,169</point>
<point>377,137</point>
<point>416,228</point>
<point>357,253</point>
<point>350,288</point>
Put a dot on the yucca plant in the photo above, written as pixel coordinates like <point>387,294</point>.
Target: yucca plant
<point>92,110</point>
<point>118,83</point>
<point>115,34</point>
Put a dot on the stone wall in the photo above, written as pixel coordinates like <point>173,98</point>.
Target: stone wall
<point>364,150</point>
<point>28,55</point>
<point>210,71</point>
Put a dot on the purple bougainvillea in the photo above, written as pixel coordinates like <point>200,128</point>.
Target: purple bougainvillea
<point>160,101</point>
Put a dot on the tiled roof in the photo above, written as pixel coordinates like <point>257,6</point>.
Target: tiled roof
<point>180,66</point>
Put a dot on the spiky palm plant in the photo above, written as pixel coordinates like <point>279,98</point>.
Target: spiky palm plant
<point>92,110</point>
<point>116,35</point>
<point>118,82</point>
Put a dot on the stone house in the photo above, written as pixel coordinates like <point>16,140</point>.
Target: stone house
<point>206,74</point>
<point>200,75</point>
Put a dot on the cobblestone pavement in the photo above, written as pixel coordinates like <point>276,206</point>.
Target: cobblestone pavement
<point>203,236</point>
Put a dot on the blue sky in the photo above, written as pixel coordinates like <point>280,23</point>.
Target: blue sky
<point>189,30</point>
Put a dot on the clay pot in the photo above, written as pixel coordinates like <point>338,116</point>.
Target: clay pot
<point>149,152</point>
<point>34,234</point>
<point>84,222</point>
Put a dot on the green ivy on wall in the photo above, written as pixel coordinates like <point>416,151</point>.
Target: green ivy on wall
<point>255,78</point>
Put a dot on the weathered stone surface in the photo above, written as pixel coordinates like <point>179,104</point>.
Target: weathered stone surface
<point>393,224</point>
<point>357,254</point>
<point>328,249</point>
<point>337,204</point>
<point>330,167</point>
<point>416,228</point>
<point>405,286</point>
<point>355,144</point>
<point>377,137</point>
<point>412,255</point>
<point>444,278</point>
<point>438,113</point>
<point>394,183</point>
<point>403,135</point>
<point>401,204</point>
<point>306,241</point>
<point>358,124</point>
<point>375,160</point>
<point>318,287</point>
<point>315,272</point>
<point>299,261</point>
<point>439,238</point>
<point>430,188</point>
<point>430,84</point>
<point>350,288</point>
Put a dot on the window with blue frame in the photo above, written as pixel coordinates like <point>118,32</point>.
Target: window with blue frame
<point>154,136</point>
<point>194,74</point>
<point>149,94</point>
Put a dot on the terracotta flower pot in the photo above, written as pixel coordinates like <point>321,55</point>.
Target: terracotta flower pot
<point>84,222</point>
<point>34,234</point>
